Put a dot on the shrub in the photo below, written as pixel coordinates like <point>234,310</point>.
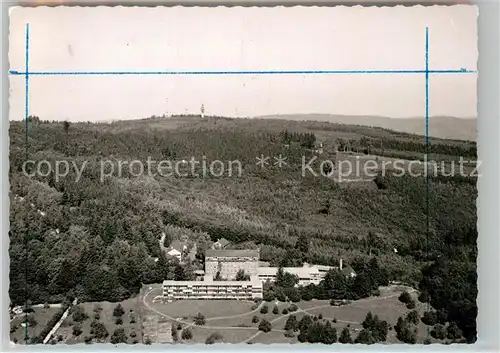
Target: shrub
<point>119,321</point>
<point>405,297</point>
<point>276,310</point>
<point>423,297</point>
<point>285,311</point>
<point>453,332</point>
<point>213,338</point>
<point>187,334</point>
<point>255,319</point>
<point>77,330</point>
<point>97,308</point>
<point>411,305</point>
<point>438,332</point>
<point>265,326</point>
<point>412,317</point>
<point>292,308</point>
<point>133,334</point>
<point>320,316</point>
<point>199,319</point>
<point>264,309</point>
<point>118,310</point>
<point>79,314</point>
<point>87,339</point>
<point>429,318</point>
<point>97,316</point>
<point>46,305</point>
<point>118,336</point>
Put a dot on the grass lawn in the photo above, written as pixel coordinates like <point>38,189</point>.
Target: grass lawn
<point>229,336</point>
<point>41,315</point>
<point>210,308</point>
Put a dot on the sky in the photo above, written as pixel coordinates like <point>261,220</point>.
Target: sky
<point>236,39</point>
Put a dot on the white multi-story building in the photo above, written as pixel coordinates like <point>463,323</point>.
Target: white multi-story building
<point>229,262</point>
<point>210,289</point>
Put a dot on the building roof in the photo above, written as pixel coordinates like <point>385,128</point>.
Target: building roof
<point>231,253</point>
<point>254,282</point>
<point>347,270</point>
<point>174,252</point>
<point>223,242</point>
<point>301,272</point>
<point>177,245</point>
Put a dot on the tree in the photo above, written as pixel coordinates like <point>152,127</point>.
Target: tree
<point>98,330</point>
<point>118,336</point>
<point>119,321</point>
<point>429,318</point>
<point>294,295</point>
<point>369,322</point>
<point>380,182</point>
<point>405,297</point>
<point>175,334</point>
<point>79,314</point>
<point>365,337</point>
<point>345,336</point>
<point>265,326</point>
<point>179,273</point>
<point>453,332</point>
<point>302,243</point>
<point>285,279</point>
<point>284,311</point>
<point>77,330</point>
<point>411,304</point>
<point>329,334</point>
<point>255,319</point>
<point>214,338</point>
<point>242,276</point>
<point>66,126</point>
<point>199,319</point>
<point>264,309</point>
<point>412,317</point>
<point>186,334</point>
<point>305,323</point>
<point>292,323</point>
<point>423,297</point>
<point>276,311</point>
<point>118,311</point>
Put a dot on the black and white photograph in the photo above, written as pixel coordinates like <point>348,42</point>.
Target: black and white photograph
<point>244,175</point>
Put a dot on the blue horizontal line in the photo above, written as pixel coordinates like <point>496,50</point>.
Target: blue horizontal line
<point>261,72</point>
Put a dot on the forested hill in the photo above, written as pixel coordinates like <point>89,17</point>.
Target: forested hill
<point>100,240</point>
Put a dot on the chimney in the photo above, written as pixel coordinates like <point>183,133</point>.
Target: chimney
<point>340,264</point>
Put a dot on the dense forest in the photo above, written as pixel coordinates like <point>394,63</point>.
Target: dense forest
<point>99,238</point>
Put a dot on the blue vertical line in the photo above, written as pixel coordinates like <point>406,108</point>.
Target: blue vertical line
<point>26,107</point>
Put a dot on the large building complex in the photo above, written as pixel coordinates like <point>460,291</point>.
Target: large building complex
<point>228,262</point>
<point>210,289</point>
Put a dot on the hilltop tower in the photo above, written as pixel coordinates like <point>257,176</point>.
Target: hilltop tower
<point>202,109</point>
